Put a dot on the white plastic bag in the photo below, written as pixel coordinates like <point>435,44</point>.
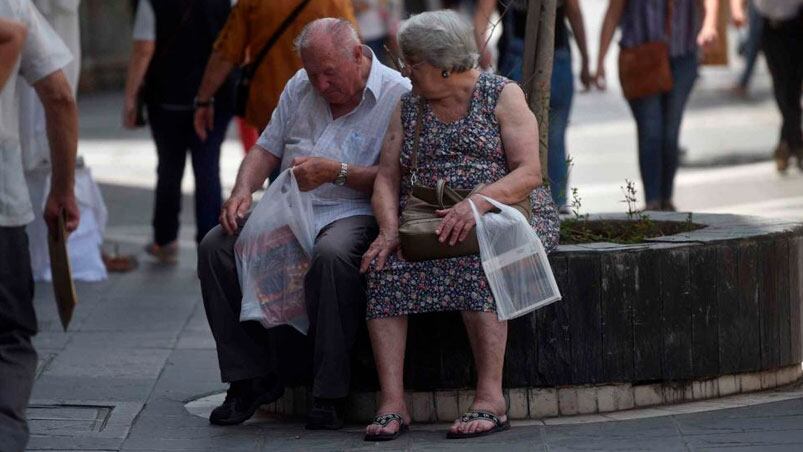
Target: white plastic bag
<point>273,254</point>
<point>514,261</point>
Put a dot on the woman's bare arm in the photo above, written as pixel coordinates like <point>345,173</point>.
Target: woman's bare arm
<point>385,199</point>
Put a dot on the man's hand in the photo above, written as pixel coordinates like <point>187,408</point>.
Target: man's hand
<point>233,211</point>
<point>312,172</point>
<point>58,204</point>
<point>599,78</point>
<point>203,121</point>
<point>708,37</point>
<point>130,113</point>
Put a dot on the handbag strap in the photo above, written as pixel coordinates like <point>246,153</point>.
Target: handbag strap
<point>185,18</point>
<point>668,18</point>
<point>416,142</point>
<point>251,68</point>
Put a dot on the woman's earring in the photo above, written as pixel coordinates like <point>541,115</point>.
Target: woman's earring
<point>445,74</point>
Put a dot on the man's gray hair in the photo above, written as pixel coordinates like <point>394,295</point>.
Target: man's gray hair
<point>441,38</point>
<point>339,31</point>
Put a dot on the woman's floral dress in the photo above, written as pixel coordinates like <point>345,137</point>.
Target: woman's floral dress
<point>465,153</point>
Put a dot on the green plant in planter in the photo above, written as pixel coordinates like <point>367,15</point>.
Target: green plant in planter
<point>638,226</point>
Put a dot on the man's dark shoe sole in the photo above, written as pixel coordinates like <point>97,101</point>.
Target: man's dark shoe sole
<point>324,419</point>
<point>268,397</point>
<point>316,426</point>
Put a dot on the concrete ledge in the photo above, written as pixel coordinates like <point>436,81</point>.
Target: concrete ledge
<point>546,403</point>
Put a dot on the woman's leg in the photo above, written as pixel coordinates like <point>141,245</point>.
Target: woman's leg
<point>488,338</point>
<point>560,104</point>
<point>649,117</point>
<point>684,74</point>
<point>388,340</point>
<point>751,47</point>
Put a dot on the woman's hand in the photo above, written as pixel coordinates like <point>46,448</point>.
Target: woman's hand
<point>708,37</point>
<point>459,219</point>
<point>586,79</point>
<point>385,244</point>
<point>599,78</point>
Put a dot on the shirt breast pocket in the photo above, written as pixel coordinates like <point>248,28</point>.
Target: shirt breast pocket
<point>355,149</point>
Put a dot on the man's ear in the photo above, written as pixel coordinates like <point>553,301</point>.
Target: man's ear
<point>357,53</point>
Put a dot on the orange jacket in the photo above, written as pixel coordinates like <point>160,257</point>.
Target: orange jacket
<point>249,26</point>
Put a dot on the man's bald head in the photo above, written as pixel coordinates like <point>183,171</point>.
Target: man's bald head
<point>334,59</point>
<point>327,34</point>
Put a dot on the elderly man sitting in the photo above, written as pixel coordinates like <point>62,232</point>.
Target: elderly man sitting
<point>329,125</point>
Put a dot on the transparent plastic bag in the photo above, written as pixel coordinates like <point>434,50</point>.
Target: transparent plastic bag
<point>514,262</point>
<point>273,254</point>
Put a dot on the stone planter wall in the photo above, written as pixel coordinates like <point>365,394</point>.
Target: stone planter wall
<point>703,314</point>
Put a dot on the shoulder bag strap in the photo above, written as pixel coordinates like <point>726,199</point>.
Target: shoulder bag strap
<point>668,19</point>
<point>416,141</point>
<point>252,67</point>
<point>184,19</point>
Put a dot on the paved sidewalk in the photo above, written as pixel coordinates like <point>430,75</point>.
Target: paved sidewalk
<point>139,349</point>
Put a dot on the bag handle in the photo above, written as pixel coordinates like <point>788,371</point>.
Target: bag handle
<point>416,142</point>
<point>251,67</point>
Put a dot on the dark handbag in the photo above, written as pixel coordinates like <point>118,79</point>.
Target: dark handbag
<point>418,221</point>
<point>243,85</point>
<point>644,69</point>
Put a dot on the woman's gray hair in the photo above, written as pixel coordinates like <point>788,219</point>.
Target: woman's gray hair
<point>339,31</point>
<point>441,38</point>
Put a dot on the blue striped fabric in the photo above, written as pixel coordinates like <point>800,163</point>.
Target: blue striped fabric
<point>643,21</point>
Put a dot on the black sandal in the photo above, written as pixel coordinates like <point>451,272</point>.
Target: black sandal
<point>475,415</point>
<point>383,421</point>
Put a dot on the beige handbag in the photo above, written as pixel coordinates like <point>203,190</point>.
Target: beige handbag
<point>418,222</point>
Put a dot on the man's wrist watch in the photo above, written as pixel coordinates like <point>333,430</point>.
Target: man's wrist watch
<point>198,103</point>
<point>340,180</point>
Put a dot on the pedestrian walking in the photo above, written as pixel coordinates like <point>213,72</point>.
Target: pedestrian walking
<point>172,42</point>
<point>749,49</point>
<point>511,50</point>
<point>40,62</point>
<point>782,43</point>
<point>246,34</point>
<point>667,32</point>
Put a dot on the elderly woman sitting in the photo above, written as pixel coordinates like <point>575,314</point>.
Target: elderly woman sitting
<point>475,129</point>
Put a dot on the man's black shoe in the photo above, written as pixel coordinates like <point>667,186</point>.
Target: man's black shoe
<point>326,414</point>
<point>243,399</point>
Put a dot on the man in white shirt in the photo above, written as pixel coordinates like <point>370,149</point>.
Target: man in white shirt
<point>329,125</point>
<point>42,58</point>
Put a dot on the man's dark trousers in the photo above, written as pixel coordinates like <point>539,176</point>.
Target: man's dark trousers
<point>335,298</point>
<point>17,325</point>
<point>783,49</point>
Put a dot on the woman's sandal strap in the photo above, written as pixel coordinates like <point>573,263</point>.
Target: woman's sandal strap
<point>480,415</point>
<point>385,419</point>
